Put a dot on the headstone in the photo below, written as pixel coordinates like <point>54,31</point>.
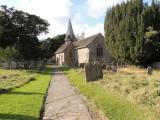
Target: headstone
<point>26,64</point>
<point>33,65</point>
<point>21,65</point>
<point>6,65</point>
<point>13,65</point>
<point>158,87</point>
<point>41,66</point>
<point>149,70</point>
<point>93,71</point>
<point>114,68</point>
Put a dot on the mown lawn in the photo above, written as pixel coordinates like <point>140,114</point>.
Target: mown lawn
<point>114,105</point>
<point>25,102</point>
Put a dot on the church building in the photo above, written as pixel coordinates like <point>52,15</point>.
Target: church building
<point>78,52</point>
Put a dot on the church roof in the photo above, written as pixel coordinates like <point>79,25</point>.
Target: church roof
<point>80,43</point>
<point>85,42</point>
<point>62,48</point>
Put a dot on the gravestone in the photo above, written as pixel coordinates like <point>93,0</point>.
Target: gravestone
<point>41,66</point>
<point>114,68</point>
<point>6,65</point>
<point>158,87</point>
<point>20,65</point>
<point>93,71</point>
<point>13,65</point>
<point>149,70</point>
<point>33,65</point>
<point>26,65</point>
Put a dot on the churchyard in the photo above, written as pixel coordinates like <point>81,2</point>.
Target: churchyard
<point>128,94</point>
<point>22,93</point>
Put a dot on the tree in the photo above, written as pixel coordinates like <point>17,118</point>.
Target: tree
<point>50,45</point>
<point>21,30</point>
<point>126,32</point>
<point>8,54</point>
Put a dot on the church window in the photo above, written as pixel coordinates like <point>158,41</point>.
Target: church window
<point>99,51</point>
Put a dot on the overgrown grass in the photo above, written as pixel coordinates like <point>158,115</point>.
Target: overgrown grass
<point>114,105</point>
<point>25,102</point>
<point>10,79</point>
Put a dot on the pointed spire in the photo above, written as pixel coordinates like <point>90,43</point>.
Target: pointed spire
<point>70,37</point>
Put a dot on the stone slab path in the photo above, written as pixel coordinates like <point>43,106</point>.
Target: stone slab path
<point>63,102</point>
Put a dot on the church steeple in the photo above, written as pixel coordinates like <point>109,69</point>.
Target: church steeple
<point>70,37</point>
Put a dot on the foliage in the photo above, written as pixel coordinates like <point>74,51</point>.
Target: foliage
<point>8,54</point>
<point>25,102</point>
<point>20,30</point>
<point>50,45</point>
<point>114,105</point>
<point>132,32</point>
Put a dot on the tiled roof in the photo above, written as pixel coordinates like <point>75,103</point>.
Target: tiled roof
<point>85,42</point>
<point>80,43</point>
<point>62,48</point>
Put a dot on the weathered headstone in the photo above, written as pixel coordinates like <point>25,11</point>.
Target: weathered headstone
<point>21,65</point>
<point>114,68</point>
<point>41,66</point>
<point>13,65</point>
<point>158,87</point>
<point>149,70</point>
<point>93,71</point>
<point>33,65</point>
<point>26,64</point>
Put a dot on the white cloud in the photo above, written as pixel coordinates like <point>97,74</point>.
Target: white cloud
<point>97,8</point>
<point>57,12</point>
<point>87,29</point>
<point>46,8</point>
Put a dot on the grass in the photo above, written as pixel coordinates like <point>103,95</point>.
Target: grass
<point>135,84</point>
<point>25,102</point>
<point>114,105</point>
<point>10,79</point>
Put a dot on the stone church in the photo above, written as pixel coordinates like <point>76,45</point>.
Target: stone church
<point>78,52</point>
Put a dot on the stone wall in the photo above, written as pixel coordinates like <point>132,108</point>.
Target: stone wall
<point>156,65</point>
<point>83,55</point>
<point>60,58</point>
<point>107,58</point>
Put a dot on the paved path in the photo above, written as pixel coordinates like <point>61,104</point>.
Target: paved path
<point>63,102</point>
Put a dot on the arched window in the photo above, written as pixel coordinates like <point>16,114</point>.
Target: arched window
<point>99,51</point>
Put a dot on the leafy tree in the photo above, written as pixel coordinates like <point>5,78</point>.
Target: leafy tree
<point>8,54</point>
<point>50,45</point>
<point>21,30</point>
<point>132,32</point>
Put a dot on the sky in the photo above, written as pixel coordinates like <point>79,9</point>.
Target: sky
<point>87,16</point>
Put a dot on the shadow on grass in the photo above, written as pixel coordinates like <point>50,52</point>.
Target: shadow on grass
<point>2,91</point>
<point>16,117</point>
<point>48,71</point>
<point>65,68</point>
<point>23,93</point>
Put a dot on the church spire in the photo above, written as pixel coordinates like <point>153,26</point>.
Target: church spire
<point>70,37</point>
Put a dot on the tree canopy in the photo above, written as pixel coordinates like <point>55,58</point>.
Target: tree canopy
<point>132,32</point>
<point>20,30</point>
<point>50,45</point>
